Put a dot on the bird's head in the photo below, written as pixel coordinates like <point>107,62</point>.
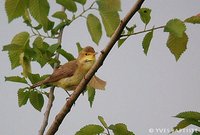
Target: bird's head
<point>87,56</point>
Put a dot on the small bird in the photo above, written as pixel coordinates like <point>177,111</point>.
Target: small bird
<point>69,75</point>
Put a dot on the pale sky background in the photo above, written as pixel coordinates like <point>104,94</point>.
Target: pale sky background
<point>142,91</point>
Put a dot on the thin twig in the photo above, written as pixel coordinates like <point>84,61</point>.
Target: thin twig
<point>139,32</point>
<point>47,112</point>
<point>108,132</point>
<point>51,92</point>
<point>80,88</point>
<point>85,10</point>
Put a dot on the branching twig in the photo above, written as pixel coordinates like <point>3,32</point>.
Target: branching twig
<point>84,11</point>
<point>51,93</point>
<point>139,32</point>
<point>80,88</point>
<point>39,34</point>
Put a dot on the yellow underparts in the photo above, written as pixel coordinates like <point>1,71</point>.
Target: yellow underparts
<point>70,83</point>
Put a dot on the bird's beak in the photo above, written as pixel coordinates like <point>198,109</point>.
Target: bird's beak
<point>91,57</point>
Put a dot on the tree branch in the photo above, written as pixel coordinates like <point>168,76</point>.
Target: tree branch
<point>51,92</point>
<point>80,88</point>
<point>47,112</point>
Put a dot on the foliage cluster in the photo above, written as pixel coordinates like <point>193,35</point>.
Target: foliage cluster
<point>93,129</point>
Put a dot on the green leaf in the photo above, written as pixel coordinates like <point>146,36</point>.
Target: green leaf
<point>196,133</point>
<point>38,43</point>
<point>22,97</point>
<point>193,19</point>
<point>16,48</point>
<point>20,40</point>
<point>189,115</point>
<point>120,129</point>
<point>53,48</point>
<point>176,27</point>
<point>14,8</point>
<point>27,18</point>
<point>90,130</point>
<point>39,9</point>
<point>23,58</point>
<point>109,13</point>
<point>81,1</point>
<point>58,27</point>
<point>29,53</point>
<point>42,55</point>
<point>14,58</point>
<point>65,54</point>
<point>79,47</point>
<point>49,26</point>
<point>101,119</point>
<point>60,15</point>
<point>38,27</point>
<point>94,28</point>
<point>13,47</point>
<point>177,45</point>
<point>130,29</point>
<point>109,5</point>
<point>91,95</point>
<point>37,100</point>
<point>110,20</point>
<point>16,79</point>
<point>146,41</point>
<point>68,4</point>
<point>53,61</point>
<point>121,41</point>
<point>34,78</point>
<point>182,124</point>
<point>145,15</point>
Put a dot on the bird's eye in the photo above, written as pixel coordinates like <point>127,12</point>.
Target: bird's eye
<point>86,54</point>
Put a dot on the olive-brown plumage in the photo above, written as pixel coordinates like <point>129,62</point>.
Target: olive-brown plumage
<point>69,75</point>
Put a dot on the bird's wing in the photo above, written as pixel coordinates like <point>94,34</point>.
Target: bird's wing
<point>66,70</point>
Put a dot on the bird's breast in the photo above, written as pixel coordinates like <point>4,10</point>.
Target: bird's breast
<point>70,83</point>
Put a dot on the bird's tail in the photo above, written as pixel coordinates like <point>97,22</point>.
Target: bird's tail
<point>97,83</point>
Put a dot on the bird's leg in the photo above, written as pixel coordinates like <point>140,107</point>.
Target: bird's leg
<point>71,88</point>
<point>67,94</point>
